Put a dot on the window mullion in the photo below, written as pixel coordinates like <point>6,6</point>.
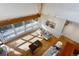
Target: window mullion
<point>24,26</point>
<point>13,27</point>
<point>2,37</point>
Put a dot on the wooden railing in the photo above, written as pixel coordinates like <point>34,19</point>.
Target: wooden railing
<point>20,19</point>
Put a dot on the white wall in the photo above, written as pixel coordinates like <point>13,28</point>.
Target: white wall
<point>68,11</point>
<point>65,11</point>
<point>13,10</point>
<point>72,31</point>
<point>59,25</point>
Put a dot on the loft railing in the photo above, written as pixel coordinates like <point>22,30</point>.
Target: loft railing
<point>12,30</point>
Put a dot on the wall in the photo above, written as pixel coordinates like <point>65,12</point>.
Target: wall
<point>68,11</point>
<point>15,10</point>
<point>72,31</point>
<point>59,24</point>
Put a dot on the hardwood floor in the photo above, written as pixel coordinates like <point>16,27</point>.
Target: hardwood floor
<point>45,45</point>
<point>69,48</point>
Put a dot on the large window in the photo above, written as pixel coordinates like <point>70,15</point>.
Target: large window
<point>19,27</point>
<point>30,24</point>
<point>7,32</point>
<point>10,31</point>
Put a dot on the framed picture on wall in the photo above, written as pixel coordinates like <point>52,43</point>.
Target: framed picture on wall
<point>50,24</point>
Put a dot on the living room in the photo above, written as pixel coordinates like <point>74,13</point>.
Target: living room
<point>38,29</point>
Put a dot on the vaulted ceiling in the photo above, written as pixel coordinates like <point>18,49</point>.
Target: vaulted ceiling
<point>69,11</point>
